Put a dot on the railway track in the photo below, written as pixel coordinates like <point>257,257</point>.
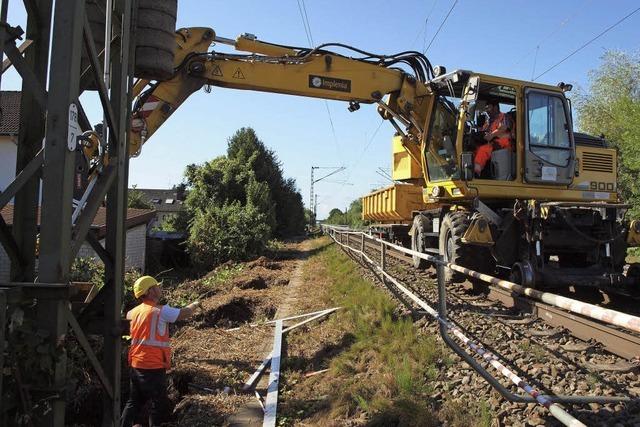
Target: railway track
<point>617,341</point>
<point>555,351</point>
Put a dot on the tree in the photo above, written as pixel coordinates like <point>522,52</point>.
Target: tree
<point>229,232</point>
<point>247,149</point>
<point>335,217</point>
<point>612,107</point>
<point>136,199</point>
<point>247,183</point>
<point>351,217</point>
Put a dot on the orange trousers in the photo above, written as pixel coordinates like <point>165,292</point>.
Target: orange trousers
<point>483,152</point>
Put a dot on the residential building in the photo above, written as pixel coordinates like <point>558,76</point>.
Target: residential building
<point>136,238</point>
<point>9,126</point>
<point>167,203</point>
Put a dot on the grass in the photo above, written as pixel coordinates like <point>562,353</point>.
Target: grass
<point>457,413</point>
<point>384,374</point>
<point>533,348</point>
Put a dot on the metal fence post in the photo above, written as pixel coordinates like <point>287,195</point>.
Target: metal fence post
<point>362,247</point>
<point>383,256</point>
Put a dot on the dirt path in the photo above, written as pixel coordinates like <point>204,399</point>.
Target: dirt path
<point>214,353</point>
<point>251,414</point>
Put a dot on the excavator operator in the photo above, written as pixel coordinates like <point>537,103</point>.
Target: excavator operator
<point>497,135</point>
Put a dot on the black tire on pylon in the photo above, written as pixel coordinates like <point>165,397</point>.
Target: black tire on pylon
<point>452,229</point>
<point>155,39</point>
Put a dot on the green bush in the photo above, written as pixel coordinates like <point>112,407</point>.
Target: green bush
<point>87,269</point>
<point>352,217</point>
<point>137,200</point>
<point>611,107</point>
<point>229,232</point>
<point>236,203</point>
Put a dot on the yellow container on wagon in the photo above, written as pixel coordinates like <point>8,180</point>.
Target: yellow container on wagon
<point>393,204</point>
<point>404,166</point>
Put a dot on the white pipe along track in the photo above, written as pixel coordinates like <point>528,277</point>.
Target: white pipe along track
<point>611,317</point>
<point>556,410</point>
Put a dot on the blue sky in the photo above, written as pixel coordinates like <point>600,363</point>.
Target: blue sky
<point>494,37</point>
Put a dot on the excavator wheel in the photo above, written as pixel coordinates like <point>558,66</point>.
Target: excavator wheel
<point>419,241</point>
<point>453,226</point>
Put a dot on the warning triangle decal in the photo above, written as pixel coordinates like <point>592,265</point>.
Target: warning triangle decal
<point>238,74</point>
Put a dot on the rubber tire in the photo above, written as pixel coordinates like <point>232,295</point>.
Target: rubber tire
<point>452,228</point>
<point>419,241</point>
<point>155,39</point>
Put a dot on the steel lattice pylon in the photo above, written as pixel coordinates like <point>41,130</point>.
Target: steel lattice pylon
<point>51,244</point>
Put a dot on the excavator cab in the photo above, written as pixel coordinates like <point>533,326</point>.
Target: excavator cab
<point>539,161</point>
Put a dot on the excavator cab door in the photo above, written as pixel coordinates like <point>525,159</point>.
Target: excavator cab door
<point>549,146</point>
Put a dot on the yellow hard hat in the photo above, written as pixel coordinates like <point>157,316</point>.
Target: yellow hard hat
<point>143,284</point>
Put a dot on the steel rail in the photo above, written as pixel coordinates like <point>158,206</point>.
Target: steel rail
<point>604,315</point>
<point>616,341</point>
<point>535,396</point>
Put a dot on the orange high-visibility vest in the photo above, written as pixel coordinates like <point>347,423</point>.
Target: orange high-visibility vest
<point>503,141</point>
<point>483,152</point>
<point>149,349</point>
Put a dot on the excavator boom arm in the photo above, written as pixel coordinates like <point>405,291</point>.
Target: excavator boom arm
<point>273,68</point>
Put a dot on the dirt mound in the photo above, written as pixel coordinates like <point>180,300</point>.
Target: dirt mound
<point>254,282</point>
<point>265,263</point>
<point>208,357</point>
<point>234,312</point>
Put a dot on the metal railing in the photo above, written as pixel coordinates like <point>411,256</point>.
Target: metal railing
<point>446,327</point>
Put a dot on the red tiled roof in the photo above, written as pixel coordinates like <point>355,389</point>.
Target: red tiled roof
<point>135,217</point>
<point>10,112</point>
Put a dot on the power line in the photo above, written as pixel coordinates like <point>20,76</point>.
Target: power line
<point>441,25</point>
<point>588,43</point>
<point>307,30</point>
<point>333,129</point>
<point>552,33</point>
<point>352,168</point>
<point>424,27</point>
<point>302,8</point>
<point>535,60</point>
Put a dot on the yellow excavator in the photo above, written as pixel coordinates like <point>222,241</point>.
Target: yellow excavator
<point>544,212</point>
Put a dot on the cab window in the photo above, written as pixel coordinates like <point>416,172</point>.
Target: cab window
<point>548,128</point>
<point>549,155</point>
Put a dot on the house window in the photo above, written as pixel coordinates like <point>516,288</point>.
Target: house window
<point>169,201</point>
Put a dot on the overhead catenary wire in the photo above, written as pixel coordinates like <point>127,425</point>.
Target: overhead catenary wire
<point>424,27</point>
<point>602,33</point>
<point>441,25</point>
<point>366,147</point>
<point>307,29</point>
<point>551,34</point>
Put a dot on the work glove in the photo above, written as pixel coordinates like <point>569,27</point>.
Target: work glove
<point>196,304</point>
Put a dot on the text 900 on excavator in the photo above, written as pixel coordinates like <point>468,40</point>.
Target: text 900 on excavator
<point>544,211</point>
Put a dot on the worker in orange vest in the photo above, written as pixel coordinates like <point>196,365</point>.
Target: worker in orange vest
<point>150,350</point>
<point>497,134</point>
